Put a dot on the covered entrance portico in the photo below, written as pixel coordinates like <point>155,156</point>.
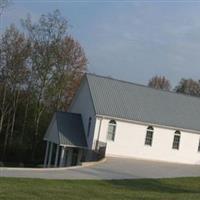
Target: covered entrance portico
<point>62,156</point>
<point>65,140</point>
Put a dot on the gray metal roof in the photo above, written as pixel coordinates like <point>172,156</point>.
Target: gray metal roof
<point>121,99</point>
<point>69,129</point>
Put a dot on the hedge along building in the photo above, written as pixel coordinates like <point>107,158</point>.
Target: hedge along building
<point>129,120</point>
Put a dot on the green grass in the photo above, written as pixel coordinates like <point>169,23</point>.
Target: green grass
<point>146,189</point>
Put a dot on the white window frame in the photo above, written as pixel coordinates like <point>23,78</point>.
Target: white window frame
<point>198,150</point>
<point>111,135</point>
<point>149,136</point>
<point>176,144</point>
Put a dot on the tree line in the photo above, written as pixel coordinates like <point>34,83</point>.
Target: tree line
<point>185,86</point>
<point>41,66</point>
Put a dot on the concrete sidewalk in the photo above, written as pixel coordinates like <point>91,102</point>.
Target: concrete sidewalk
<point>112,168</point>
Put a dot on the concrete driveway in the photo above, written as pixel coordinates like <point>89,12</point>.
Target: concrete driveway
<point>112,168</point>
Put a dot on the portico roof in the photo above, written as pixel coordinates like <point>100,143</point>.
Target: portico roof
<point>66,129</point>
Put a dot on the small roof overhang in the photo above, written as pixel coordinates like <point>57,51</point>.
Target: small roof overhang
<point>66,129</point>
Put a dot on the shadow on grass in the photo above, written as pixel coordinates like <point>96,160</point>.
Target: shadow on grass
<point>159,185</point>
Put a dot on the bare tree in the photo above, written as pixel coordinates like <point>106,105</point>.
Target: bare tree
<point>3,89</point>
<point>3,5</point>
<point>188,86</point>
<point>40,70</point>
<point>55,60</point>
<point>14,52</point>
<point>160,82</point>
<point>71,65</point>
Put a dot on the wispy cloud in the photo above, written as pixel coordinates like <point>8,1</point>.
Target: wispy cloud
<point>138,42</point>
<point>130,40</point>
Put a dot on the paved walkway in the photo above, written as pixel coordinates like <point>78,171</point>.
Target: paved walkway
<point>112,168</point>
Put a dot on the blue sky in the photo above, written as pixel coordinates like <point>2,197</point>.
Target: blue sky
<point>130,40</point>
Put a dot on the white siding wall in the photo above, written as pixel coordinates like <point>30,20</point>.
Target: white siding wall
<point>82,104</point>
<point>130,138</point>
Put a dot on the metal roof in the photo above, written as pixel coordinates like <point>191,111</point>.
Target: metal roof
<point>126,100</point>
<point>70,129</point>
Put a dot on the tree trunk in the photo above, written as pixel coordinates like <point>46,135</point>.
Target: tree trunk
<point>24,123</point>
<point>58,101</point>
<point>1,122</point>
<point>3,109</point>
<point>15,104</point>
<point>37,122</point>
<point>6,139</point>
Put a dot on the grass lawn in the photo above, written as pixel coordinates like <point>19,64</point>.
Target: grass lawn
<point>151,189</point>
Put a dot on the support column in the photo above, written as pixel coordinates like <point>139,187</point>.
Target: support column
<point>69,156</point>
<point>62,156</point>
<point>46,154</point>
<point>57,152</point>
<point>50,154</point>
<point>80,153</point>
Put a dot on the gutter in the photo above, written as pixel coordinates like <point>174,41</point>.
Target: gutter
<point>147,123</point>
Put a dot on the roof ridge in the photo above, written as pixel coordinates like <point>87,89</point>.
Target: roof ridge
<point>141,85</point>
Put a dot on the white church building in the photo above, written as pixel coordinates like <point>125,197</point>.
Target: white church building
<point>122,119</point>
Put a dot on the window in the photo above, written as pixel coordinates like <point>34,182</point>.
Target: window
<point>176,142</point>
<point>89,125</point>
<point>149,136</point>
<point>111,130</point>
<point>199,146</point>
